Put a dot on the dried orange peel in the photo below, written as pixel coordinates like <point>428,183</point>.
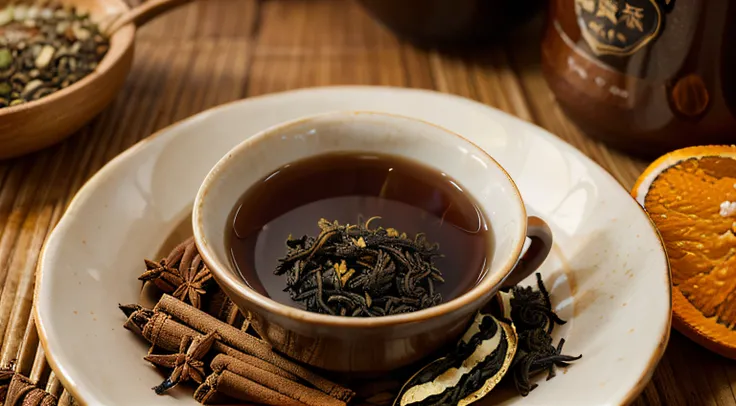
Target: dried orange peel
<point>690,195</point>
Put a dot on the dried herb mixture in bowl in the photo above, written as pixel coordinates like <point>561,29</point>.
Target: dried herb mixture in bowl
<point>45,48</point>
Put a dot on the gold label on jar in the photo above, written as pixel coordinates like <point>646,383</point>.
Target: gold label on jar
<point>619,27</point>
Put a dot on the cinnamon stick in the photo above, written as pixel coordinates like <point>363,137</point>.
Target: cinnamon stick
<point>137,317</point>
<point>261,364</point>
<point>221,307</point>
<point>163,331</point>
<point>22,392</point>
<point>6,374</point>
<point>273,381</point>
<point>237,387</point>
<point>204,323</point>
<point>242,341</point>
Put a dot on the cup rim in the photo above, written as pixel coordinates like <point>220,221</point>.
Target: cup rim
<point>222,276</point>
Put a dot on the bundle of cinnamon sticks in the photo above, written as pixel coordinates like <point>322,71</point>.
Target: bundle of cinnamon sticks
<point>237,364</point>
<point>18,390</point>
<point>212,347</point>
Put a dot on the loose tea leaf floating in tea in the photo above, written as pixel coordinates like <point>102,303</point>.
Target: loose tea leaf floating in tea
<point>353,270</point>
<point>469,372</point>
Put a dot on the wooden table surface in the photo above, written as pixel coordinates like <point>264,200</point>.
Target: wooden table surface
<point>214,51</point>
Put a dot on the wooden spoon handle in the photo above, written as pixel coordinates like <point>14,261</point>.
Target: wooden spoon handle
<point>143,13</point>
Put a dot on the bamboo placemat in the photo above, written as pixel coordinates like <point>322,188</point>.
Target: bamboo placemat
<point>215,51</point>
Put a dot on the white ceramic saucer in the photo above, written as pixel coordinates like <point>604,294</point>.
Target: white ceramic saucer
<point>608,272</point>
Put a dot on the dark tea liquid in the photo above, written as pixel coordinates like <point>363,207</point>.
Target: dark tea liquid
<point>407,195</point>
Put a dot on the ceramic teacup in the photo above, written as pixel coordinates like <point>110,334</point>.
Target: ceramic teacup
<point>378,343</point>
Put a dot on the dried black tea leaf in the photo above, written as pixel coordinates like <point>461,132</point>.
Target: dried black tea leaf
<point>518,343</point>
<point>358,271</point>
<point>531,313</point>
<point>475,366</point>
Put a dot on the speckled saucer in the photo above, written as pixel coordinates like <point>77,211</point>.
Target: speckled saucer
<point>608,273</point>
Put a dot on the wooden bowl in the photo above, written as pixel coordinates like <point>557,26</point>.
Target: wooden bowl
<point>37,124</point>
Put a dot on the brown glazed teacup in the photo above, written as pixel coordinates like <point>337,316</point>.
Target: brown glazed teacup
<point>378,343</point>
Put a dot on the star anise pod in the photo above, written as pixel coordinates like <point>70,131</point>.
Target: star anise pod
<point>187,364</point>
<point>194,277</point>
<point>182,274</point>
<point>165,273</point>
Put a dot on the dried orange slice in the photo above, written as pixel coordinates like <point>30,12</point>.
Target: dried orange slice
<point>690,195</point>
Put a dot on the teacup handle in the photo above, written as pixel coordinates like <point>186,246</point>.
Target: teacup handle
<point>541,236</point>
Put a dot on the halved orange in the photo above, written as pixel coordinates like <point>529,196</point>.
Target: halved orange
<point>690,195</point>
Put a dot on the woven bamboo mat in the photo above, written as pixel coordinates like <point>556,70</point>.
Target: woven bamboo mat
<point>215,51</point>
